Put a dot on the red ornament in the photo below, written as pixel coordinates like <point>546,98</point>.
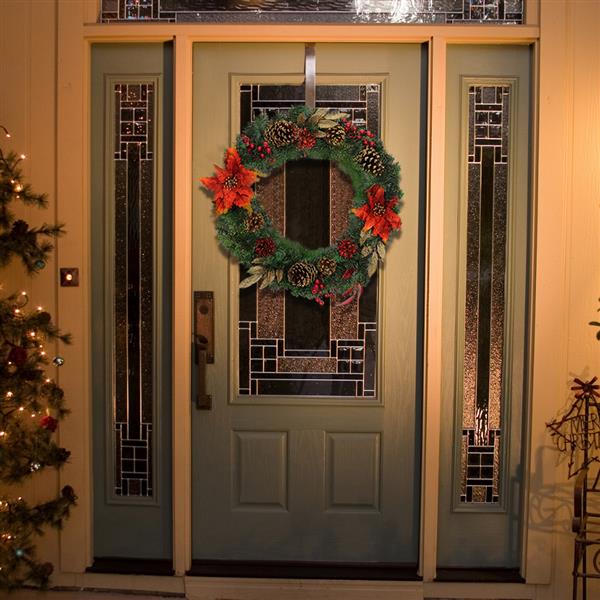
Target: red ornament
<point>347,248</point>
<point>18,356</point>
<point>264,247</point>
<point>306,139</point>
<point>49,423</point>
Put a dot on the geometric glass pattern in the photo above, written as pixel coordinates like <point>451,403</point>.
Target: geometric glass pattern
<point>488,161</point>
<point>324,11</point>
<point>133,164</point>
<point>289,346</point>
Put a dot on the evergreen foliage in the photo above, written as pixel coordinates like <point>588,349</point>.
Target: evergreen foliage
<point>267,144</point>
<point>31,403</point>
<point>31,244</point>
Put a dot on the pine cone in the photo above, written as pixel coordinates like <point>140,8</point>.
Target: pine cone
<point>370,161</point>
<point>326,266</point>
<point>69,493</point>
<point>44,318</point>
<point>301,274</point>
<point>336,135</point>
<point>254,222</point>
<point>306,140</point>
<point>281,133</point>
<point>347,248</point>
<point>20,227</point>
<point>264,247</point>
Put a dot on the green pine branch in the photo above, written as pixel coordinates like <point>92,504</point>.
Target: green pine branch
<point>31,403</point>
<point>26,393</point>
<point>19,523</point>
<point>31,244</point>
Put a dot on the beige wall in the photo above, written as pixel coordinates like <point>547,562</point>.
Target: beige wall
<point>37,108</point>
<point>568,247</point>
<point>28,111</point>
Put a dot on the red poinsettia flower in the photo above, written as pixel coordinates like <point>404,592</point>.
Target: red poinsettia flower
<point>378,214</point>
<point>231,185</point>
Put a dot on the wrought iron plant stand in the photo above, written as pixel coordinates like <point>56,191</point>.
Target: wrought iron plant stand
<point>577,433</point>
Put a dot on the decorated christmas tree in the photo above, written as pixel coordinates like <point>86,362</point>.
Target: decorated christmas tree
<point>31,403</point>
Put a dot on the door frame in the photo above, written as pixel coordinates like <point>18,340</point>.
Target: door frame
<point>76,33</point>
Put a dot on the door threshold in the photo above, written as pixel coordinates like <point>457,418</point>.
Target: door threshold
<point>132,566</point>
<point>304,570</point>
<point>231,588</point>
<point>482,575</point>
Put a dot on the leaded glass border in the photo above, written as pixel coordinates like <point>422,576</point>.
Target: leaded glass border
<point>133,280</point>
<point>509,12</point>
<point>342,363</point>
<point>483,415</point>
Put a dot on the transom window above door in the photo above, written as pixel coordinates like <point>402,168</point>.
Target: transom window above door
<point>510,12</point>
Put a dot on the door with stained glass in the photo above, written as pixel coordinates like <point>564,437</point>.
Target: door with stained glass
<point>310,452</point>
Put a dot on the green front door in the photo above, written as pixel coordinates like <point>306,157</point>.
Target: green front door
<point>310,452</point>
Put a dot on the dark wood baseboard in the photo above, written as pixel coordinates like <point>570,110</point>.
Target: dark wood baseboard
<point>132,566</point>
<point>303,570</point>
<point>479,575</point>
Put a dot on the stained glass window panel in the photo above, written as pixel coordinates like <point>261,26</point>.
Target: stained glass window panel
<point>133,282</point>
<point>483,363</point>
<point>288,346</point>
<point>324,11</point>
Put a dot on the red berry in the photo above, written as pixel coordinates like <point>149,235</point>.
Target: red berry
<point>347,248</point>
<point>268,150</point>
<point>262,155</point>
<point>252,146</point>
<point>259,148</point>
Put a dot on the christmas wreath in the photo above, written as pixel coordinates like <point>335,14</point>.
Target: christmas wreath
<point>339,271</point>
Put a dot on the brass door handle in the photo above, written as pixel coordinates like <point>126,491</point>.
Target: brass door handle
<point>203,400</point>
<point>204,344</point>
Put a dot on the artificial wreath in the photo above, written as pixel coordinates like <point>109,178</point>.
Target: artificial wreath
<point>339,271</point>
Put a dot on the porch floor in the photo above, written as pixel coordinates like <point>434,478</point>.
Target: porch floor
<point>81,595</point>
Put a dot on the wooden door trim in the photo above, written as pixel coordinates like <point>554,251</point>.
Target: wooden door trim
<point>182,305</point>
<point>184,36</point>
<point>310,32</point>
